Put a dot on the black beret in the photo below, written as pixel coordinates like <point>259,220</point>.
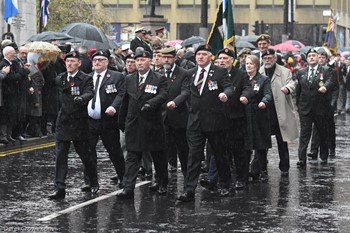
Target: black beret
<point>268,52</point>
<point>145,54</point>
<point>100,53</point>
<point>203,47</point>
<point>168,50</point>
<point>311,50</point>
<point>130,56</point>
<point>227,51</point>
<point>263,37</point>
<point>73,54</point>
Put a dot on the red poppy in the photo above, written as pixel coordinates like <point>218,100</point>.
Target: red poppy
<point>72,84</point>
<point>108,75</point>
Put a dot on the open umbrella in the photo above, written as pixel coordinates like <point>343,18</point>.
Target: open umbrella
<point>295,43</point>
<point>49,51</point>
<point>50,36</point>
<point>244,44</point>
<point>90,35</point>
<point>173,42</point>
<point>285,47</point>
<point>192,40</point>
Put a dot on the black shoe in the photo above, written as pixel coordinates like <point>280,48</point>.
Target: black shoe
<point>94,189</point>
<point>162,191</point>
<point>154,187</point>
<point>186,197</point>
<point>21,138</point>
<point>239,185</point>
<point>208,184</point>
<point>332,153</point>
<point>224,192</point>
<point>324,162</point>
<point>313,156</point>
<point>148,174</point>
<point>59,194</point>
<point>121,186</point>
<point>4,141</point>
<point>86,188</point>
<point>301,164</point>
<point>125,194</point>
<point>11,139</point>
<point>142,171</point>
<point>114,178</point>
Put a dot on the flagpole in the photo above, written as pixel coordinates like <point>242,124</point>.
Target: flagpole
<point>8,27</point>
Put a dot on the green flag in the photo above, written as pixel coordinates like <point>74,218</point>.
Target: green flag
<point>222,34</point>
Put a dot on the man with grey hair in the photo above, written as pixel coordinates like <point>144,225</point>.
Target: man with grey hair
<point>10,89</point>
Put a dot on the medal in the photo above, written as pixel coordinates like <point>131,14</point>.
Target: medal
<point>321,83</point>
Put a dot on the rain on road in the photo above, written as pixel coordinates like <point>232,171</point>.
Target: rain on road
<point>313,200</point>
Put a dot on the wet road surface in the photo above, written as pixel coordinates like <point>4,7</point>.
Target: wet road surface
<point>313,200</point>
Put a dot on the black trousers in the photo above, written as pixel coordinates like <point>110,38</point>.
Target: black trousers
<point>133,163</point>
<point>178,146</point>
<point>236,132</point>
<point>196,142</point>
<point>82,149</point>
<point>259,162</point>
<point>315,142</point>
<point>111,140</point>
<point>283,151</point>
<point>321,124</point>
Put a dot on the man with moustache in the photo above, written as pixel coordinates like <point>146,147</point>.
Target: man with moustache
<point>141,117</point>
<point>103,112</point>
<point>283,121</point>
<point>75,91</point>
<point>313,98</point>
<point>176,111</point>
<point>210,88</point>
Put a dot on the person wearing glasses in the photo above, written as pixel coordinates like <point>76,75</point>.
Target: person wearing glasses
<point>103,112</point>
<point>283,121</point>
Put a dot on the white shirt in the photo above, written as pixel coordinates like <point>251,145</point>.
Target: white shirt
<point>71,75</point>
<point>199,70</point>
<point>96,113</point>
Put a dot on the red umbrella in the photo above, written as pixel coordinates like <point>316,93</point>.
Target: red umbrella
<point>173,42</point>
<point>295,43</point>
<point>285,47</point>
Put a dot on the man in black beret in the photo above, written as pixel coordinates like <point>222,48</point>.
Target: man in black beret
<point>75,90</point>
<point>210,88</point>
<point>141,117</point>
<point>103,112</point>
<point>315,84</point>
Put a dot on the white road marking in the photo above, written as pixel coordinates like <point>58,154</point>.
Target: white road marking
<point>81,205</point>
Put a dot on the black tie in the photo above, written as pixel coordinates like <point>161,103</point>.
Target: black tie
<point>96,90</point>
<point>168,73</point>
<point>70,78</point>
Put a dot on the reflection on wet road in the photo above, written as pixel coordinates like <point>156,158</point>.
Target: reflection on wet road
<point>313,200</point>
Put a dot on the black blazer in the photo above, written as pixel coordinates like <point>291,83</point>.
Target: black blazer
<point>144,130</point>
<point>178,92</point>
<point>308,99</point>
<point>206,111</point>
<point>72,119</point>
<point>137,43</point>
<point>242,88</point>
<point>111,92</point>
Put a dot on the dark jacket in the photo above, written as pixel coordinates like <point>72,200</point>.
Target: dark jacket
<point>111,92</point>
<point>144,130</point>
<point>72,120</point>
<point>242,88</point>
<point>258,121</point>
<point>34,103</point>
<point>178,92</point>
<point>308,99</point>
<point>206,111</point>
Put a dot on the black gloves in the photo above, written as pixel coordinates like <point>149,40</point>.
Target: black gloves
<point>78,100</point>
<point>146,108</point>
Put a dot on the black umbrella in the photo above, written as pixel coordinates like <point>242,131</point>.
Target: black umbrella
<point>50,36</point>
<point>192,40</point>
<point>244,44</point>
<point>91,36</point>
